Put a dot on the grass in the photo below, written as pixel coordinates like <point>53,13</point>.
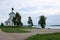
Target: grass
<point>11,26</point>
<point>14,30</point>
<point>50,36</point>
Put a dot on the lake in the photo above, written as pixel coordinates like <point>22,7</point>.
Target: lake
<point>50,27</point>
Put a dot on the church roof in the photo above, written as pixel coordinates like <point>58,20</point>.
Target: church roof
<point>12,13</point>
<point>7,21</point>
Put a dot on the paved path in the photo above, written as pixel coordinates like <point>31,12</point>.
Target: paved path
<point>22,36</point>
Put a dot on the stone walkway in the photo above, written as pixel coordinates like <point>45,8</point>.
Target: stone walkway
<point>22,36</point>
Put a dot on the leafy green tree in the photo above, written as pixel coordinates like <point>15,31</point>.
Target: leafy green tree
<point>17,19</point>
<point>30,21</point>
<point>42,21</point>
<point>2,24</point>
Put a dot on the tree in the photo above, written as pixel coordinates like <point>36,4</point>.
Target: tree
<point>17,19</point>
<point>30,21</point>
<point>2,24</point>
<point>42,21</point>
<point>14,20</point>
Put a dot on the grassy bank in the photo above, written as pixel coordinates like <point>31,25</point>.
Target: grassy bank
<point>51,36</point>
<point>11,26</point>
<point>14,30</point>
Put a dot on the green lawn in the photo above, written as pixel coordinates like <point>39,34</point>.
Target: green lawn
<point>14,30</point>
<point>50,36</point>
<point>12,27</point>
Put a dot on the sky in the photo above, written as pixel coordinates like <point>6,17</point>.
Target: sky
<point>32,8</point>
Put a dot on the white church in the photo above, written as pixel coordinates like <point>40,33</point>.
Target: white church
<point>9,21</point>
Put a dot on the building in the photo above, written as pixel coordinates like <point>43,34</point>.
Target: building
<point>9,21</point>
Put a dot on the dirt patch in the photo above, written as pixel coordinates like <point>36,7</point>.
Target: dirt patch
<point>22,36</point>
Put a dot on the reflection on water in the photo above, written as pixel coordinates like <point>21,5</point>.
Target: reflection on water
<point>51,27</point>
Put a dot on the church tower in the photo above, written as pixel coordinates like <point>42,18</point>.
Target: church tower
<point>11,15</point>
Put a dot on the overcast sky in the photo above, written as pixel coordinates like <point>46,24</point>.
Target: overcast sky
<point>33,8</point>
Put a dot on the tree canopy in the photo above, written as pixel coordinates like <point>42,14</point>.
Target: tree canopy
<point>30,21</point>
<point>17,19</point>
<point>42,21</point>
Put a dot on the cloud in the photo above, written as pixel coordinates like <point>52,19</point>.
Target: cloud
<point>29,8</point>
<point>53,20</point>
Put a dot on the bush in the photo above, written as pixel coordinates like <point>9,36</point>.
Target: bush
<point>2,24</point>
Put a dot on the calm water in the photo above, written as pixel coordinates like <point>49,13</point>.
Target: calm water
<point>51,27</point>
